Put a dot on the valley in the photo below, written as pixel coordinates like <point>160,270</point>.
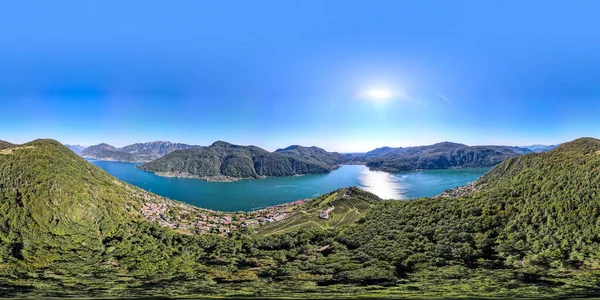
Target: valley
<point>247,195</point>
<point>526,228</point>
<point>274,149</point>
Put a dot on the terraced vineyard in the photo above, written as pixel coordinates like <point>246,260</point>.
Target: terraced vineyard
<point>345,206</point>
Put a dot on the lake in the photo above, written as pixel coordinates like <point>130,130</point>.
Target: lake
<point>255,194</point>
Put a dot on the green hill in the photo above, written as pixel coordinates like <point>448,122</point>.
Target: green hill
<point>313,153</point>
<point>66,227</point>
<point>224,161</point>
<point>55,206</point>
<point>535,215</point>
<point>529,228</point>
<point>4,144</point>
<point>438,156</point>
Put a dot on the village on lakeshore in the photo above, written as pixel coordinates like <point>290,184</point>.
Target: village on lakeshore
<point>460,191</point>
<point>189,219</point>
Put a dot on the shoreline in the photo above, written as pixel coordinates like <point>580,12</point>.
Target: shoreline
<point>224,178</point>
<point>219,178</point>
<point>115,160</point>
<point>423,170</point>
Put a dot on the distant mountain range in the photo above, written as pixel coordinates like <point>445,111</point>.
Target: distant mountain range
<point>76,148</point>
<point>540,148</point>
<point>140,152</point>
<point>519,150</point>
<point>223,161</point>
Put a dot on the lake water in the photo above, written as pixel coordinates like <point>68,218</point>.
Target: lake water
<point>254,194</point>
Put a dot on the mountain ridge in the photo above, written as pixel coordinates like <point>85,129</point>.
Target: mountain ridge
<point>5,144</point>
<point>540,148</point>
<point>76,148</point>
<point>138,152</point>
<point>222,161</point>
<point>313,153</point>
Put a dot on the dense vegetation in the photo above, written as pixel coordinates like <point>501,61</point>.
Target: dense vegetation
<point>315,154</point>
<point>135,152</point>
<point>530,228</point>
<point>438,156</point>
<point>233,161</point>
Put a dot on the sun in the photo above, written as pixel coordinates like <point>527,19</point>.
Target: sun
<point>379,94</point>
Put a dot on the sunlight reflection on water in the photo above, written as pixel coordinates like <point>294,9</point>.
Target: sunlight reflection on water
<point>382,184</point>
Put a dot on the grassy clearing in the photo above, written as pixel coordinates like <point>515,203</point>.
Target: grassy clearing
<point>348,210</point>
<point>8,151</point>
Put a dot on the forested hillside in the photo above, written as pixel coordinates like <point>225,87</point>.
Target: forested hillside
<point>224,161</point>
<point>536,215</point>
<point>529,228</point>
<point>314,154</point>
<point>56,207</point>
<point>438,156</point>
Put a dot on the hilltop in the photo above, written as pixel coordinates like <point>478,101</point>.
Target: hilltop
<point>313,153</point>
<point>53,202</point>
<point>140,152</point>
<point>223,161</point>
<point>528,228</point>
<point>5,144</point>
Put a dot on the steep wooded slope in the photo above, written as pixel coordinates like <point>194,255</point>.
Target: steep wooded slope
<point>438,156</point>
<point>234,161</point>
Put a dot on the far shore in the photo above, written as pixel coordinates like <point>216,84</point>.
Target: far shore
<point>220,178</point>
<point>114,160</point>
<point>223,178</point>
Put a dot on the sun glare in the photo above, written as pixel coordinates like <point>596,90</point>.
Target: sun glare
<point>379,94</point>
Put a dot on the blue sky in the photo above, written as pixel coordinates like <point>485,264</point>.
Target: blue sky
<point>275,73</point>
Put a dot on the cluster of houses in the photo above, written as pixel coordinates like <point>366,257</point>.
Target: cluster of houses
<point>193,220</point>
<point>459,191</point>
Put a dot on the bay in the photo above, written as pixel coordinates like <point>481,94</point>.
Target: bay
<point>255,194</point>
